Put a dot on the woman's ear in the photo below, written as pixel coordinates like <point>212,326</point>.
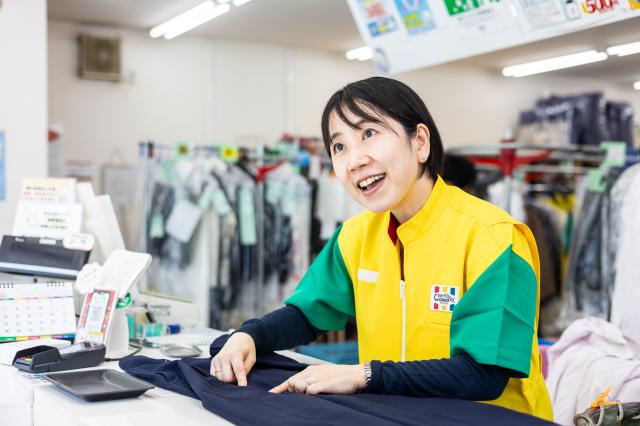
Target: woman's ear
<point>422,139</point>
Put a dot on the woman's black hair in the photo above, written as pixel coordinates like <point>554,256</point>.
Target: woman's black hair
<point>385,97</point>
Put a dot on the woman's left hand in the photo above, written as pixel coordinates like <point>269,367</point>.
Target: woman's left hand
<point>315,379</point>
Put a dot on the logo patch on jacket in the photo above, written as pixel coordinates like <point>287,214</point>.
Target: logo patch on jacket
<point>444,297</point>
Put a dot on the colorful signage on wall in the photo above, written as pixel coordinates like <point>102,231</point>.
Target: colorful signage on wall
<point>471,27</point>
<point>477,17</point>
<point>456,7</point>
<point>416,16</point>
<point>598,6</point>
<point>377,16</point>
<point>546,13</point>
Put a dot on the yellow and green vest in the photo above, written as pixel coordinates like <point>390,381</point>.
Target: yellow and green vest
<point>471,285</point>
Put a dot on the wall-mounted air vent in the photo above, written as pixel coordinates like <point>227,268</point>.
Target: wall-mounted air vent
<point>99,58</point>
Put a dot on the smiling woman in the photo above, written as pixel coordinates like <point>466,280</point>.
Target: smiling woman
<point>444,286</point>
<point>382,140</point>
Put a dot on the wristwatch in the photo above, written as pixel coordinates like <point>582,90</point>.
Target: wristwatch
<point>367,372</point>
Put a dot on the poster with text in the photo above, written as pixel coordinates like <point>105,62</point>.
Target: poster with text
<point>474,18</point>
<point>546,13</point>
<point>416,16</point>
<point>377,15</point>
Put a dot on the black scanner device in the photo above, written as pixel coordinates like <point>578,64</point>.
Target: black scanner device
<point>43,359</point>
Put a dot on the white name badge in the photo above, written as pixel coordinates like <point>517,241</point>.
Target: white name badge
<point>368,276</point>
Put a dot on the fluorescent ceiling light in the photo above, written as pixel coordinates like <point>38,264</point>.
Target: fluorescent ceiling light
<point>363,53</point>
<point>553,64</point>
<point>636,85</point>
<point>624,49</point>
<point>188,20</point>
<point>198,20</point>
<point>240,2</point>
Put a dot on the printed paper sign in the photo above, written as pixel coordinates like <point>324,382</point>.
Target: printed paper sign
<point>378,20</point>
<point>416,15</point>
<point>47,220</point>
<point>48,190</point>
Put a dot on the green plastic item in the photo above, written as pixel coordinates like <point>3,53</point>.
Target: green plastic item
<point>124,302</point>
<point>615,156</point>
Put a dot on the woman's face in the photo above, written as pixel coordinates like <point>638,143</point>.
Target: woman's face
<point>378,164</point>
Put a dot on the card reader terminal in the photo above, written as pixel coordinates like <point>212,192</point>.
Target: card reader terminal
<point>42,359</point>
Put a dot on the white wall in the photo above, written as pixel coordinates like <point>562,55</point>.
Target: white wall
<point>23,97</point>
<point>163,97</point>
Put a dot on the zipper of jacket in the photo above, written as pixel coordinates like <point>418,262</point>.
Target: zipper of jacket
<point>404,306</point>
<point>404,320</point>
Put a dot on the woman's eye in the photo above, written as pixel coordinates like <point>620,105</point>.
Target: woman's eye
<point>337,147</point>
<point>369,133</point>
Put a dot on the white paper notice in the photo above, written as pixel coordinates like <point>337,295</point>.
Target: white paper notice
<point>47,220</point>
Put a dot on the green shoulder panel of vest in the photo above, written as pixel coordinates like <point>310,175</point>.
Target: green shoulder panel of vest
<point>325,293</point>
<point>494,321</point>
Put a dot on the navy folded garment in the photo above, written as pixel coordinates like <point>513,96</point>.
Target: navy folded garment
<point>253,404</point>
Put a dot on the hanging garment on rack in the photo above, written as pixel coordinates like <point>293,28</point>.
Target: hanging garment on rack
<point>591,356</point>
<point>287,209</point>
<point>518,190</point>
<point>236,265</point>
<point>547,126</point>
<point>589,112</point>
<point>579,120</point>
<point>551,225</point>
<point>162,202</point>
<point>588,294</point>
<point>614,229</point>
<point>626,290</point>
<point>549,247</point>
<point>584,275</point>
<point>253,404</point>
<point>333,205</point>
<point>301,234</point>
<point>620,122</point>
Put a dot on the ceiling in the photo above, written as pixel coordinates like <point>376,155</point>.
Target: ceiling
<point>328,25</point>
<point>316,24</point>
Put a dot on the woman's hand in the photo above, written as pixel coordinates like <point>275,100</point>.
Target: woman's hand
<point>234,361</point>
<point>315,379</point>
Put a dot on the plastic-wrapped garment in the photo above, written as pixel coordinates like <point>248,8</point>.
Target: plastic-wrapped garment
<point>287,232</point>
<point>626,292</point>
<point>620,122</point>
<point>555,125</point>
<point>334,205</point>
<point>589,118</point>
<point>590,356</point>
<point>612,233</point>
<point>230,263</point>
<point>496,197</point>
<point>162,202</point>
<point>588,294</point>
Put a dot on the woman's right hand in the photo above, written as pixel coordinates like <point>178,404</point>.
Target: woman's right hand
<point>234,361</point>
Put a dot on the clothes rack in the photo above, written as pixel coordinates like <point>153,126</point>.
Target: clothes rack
<point>510,156</point>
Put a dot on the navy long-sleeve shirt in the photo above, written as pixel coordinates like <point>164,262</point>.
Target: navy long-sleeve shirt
<point>457,377</point>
